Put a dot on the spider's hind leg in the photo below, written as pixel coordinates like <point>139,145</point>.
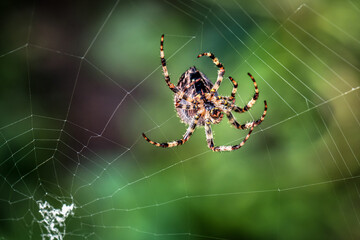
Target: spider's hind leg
<point>210,139</point>
<point>181,141</point>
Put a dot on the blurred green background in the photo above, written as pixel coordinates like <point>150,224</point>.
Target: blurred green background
<point>81,80</point>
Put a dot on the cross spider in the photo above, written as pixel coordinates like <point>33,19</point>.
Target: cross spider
<point>197,103</point>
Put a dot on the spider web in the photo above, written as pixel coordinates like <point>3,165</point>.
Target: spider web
<point>81,81</point>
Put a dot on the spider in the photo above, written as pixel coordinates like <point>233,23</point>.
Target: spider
<point>197,103</point>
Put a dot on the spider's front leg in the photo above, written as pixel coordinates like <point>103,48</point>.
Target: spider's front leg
<point>221,71</point>
<point>181,141</point>
<point>210,139</point>
<point>163,63</point>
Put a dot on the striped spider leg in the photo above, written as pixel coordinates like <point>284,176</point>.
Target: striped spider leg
<point>210,139</point>
<point>181,141</point>
<point>252,101</point>
<point>221,71</point>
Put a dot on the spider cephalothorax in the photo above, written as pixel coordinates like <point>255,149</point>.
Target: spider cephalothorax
<point>197,103</point>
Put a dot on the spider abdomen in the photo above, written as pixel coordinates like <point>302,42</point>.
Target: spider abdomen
<point>192,83</point>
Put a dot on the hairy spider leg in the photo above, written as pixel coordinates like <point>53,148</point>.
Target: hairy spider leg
<point>181,141</point>
<point>210,139</point>
<point>182,95</point>
<point>166,73</point>
<point>246,125</point>
<point>252,101</point>
<point>221,71</point>
<point>163,63</point>
<point>186,106</point>
<point>223,102</point>
<point>233,92</point>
